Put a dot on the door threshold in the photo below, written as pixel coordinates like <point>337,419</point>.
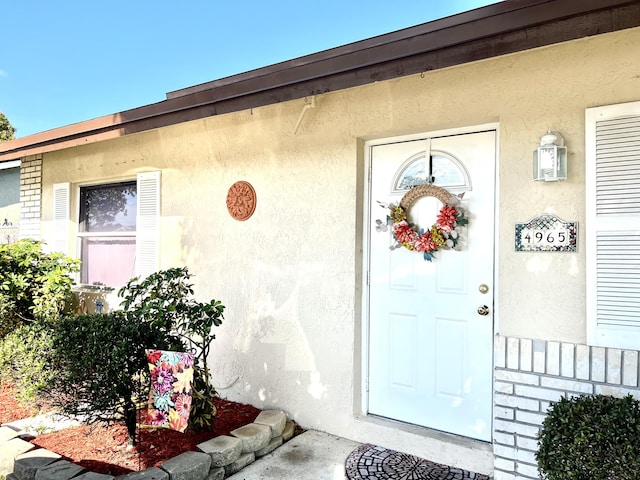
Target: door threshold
<point>426,432</point>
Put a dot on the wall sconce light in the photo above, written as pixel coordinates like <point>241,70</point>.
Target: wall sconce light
<point>550,158</point>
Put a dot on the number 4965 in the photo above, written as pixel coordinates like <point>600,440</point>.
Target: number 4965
<point>549,237</point>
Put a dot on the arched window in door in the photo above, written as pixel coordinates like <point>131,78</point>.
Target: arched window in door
<point>440,169</point>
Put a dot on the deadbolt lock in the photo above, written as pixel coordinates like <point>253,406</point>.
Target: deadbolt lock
<point>483,288</point>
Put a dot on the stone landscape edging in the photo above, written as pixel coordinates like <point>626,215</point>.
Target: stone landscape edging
<point>218,458</point>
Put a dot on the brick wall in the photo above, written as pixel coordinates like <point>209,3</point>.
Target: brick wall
<point>30,195</point>
<point>529,374</point>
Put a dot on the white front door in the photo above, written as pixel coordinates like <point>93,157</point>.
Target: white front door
<point>431,323</point>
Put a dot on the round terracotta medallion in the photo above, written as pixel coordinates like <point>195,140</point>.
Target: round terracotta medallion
<point>241,200</point>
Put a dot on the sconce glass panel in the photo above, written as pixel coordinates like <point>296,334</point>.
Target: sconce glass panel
<point>550,159</point>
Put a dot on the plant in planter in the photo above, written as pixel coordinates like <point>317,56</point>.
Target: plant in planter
<point>590,437</point>
<point>165,299</point>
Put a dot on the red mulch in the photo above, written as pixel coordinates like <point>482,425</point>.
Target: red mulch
<point>103,449</point>
<point>10,409</point>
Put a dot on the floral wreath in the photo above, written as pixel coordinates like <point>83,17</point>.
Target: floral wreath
<point>442,234</point>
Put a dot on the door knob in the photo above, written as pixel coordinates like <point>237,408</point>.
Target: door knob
<point>483,310</point>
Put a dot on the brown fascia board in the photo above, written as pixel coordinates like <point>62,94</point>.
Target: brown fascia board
<point>498,29</point>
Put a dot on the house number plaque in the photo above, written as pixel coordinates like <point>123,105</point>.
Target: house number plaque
<point>546,233</point>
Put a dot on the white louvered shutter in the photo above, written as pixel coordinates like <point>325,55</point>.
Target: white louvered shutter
<point>61,199</point>
<point>613,225</point>
<point>147,223</point>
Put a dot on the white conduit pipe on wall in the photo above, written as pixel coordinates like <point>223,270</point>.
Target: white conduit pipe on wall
<point>307,105</point>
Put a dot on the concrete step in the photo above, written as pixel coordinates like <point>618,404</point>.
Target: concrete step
<point>311,455</point>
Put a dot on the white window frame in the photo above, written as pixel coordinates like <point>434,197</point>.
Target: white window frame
<point>147,221</point>
<point>612,140</point>
<point>84,233</point>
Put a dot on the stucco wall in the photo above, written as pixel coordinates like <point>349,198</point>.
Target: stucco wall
<point>290,276</point>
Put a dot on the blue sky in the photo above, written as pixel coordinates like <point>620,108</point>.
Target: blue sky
<point>68,61</point>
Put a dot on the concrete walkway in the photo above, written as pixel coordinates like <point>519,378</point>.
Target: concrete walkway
<point>312,455</point>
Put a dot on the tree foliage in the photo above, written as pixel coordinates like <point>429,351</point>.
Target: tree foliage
<point>104,204</point>
<point>7,131</point>
<point>165,299</point>
<point>34,285</point>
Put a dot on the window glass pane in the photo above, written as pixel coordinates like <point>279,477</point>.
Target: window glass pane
<point>9,204</point>
<point>414,174</point>
<point>9,187</point>
<point>108,260</point>
<point>446,172</point>
<point>108,243</point>
<point>109,208</point>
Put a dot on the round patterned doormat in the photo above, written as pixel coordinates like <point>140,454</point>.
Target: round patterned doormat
<point>369,462</point>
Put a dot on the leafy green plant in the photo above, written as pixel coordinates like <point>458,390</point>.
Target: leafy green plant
<point>98,366</point>
<point>34,285</point>
<point>165,299</point>
<point>24,356</point>
<point>590,437</point>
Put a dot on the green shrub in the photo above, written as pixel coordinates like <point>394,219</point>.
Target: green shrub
<point>94,366</point>
<point>590,437</point>
<point>24,356</point>
<point>98,366</point>
<point>165,299</point>
<point>34,285</point>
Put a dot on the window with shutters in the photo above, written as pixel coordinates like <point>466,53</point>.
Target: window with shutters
<point>107,233</point>
<point>613,225</point>
<point>117,228</point>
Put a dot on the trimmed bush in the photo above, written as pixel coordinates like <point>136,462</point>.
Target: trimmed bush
<point>590,437</point>
<point>98,366</point>
<point>24,356</point>
<point>34,285</point>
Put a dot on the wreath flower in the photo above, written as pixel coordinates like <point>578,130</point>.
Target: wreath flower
<point>442,234</point>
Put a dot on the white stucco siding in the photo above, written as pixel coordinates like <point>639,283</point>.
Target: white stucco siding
<point>290,275</point>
